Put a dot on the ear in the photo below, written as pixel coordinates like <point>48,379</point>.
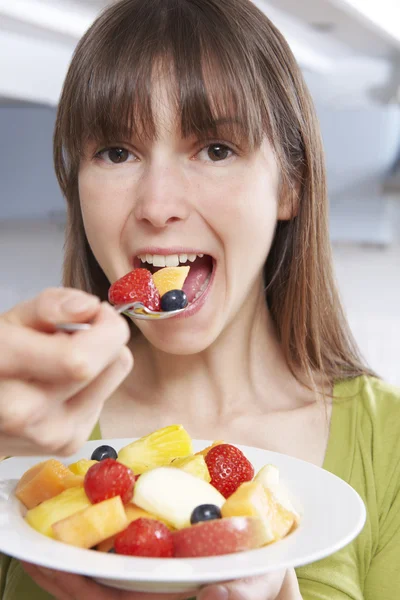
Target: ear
<point>289,199</point>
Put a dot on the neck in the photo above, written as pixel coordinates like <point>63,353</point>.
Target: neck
<point>243,371</point>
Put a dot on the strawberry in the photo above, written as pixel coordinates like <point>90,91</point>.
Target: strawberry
<point>136,286</point>
<point>145,537</point>
<point>228,468</point>
<point>107,479</point>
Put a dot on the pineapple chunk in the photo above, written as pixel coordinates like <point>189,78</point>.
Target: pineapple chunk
<point>67,503</point>
<point>156,449</point>
<point>91,526</point>
<point>195,465</point>
<point>207,450</point>
<point>82,466</point>
<point>170,278</point>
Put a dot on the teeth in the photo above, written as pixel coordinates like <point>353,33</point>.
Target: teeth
<point>170,260</point>
<point>158,260</point>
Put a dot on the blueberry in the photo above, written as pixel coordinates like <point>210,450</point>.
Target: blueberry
<point>103,452</point>
<point>174,300</point>
<point>111,551</point>
<point>205,512</point>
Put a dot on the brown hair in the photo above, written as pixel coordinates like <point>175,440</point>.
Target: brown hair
<point>226,55</point>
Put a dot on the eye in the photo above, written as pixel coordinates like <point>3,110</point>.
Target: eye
<point>216,152</point>
<point>115,156</point>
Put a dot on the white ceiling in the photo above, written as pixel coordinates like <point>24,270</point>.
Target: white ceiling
<point>333,42</point>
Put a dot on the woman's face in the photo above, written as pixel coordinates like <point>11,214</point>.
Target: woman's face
<point>175,197</point>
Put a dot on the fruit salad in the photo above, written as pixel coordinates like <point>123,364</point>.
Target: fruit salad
<point>157,498</point>
<point>163,288</point>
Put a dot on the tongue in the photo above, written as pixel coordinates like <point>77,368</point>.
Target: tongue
<point>199,271</point>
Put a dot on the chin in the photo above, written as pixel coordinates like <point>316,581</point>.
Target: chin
<point>181,340</point>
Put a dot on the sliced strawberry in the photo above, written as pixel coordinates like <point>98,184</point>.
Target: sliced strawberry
<point>107,479</point>
<point>228,468</point>
<point>145,537</point>
<point>136,286</point>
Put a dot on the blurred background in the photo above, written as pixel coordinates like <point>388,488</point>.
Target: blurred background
<point>349,51</point>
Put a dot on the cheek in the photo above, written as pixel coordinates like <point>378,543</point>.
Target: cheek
<point>102,215</point>
<point>244,210</point>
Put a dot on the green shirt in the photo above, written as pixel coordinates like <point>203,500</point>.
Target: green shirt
<point>364,450</point>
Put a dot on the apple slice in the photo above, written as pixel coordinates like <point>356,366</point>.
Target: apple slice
<point>91,526</point>
<point>221,536</point>
<point>172,495</point>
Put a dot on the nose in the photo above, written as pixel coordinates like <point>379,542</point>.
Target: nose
<point>162,196</point>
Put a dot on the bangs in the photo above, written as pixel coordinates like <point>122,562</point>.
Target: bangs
<point>212,81</point>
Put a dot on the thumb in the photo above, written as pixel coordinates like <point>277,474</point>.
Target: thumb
<point>266,587</point>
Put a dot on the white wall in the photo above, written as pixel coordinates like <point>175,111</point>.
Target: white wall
<point>30,260</point>
<point>28,186</point>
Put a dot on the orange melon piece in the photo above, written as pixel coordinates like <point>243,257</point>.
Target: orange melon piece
<point>207,450</point>
<point>92,525</point>
<point>170,278</point>
<point>133,513</point>
<point>44,481</point>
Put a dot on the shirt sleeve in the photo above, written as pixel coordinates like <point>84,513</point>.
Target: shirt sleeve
<point>383,576</point>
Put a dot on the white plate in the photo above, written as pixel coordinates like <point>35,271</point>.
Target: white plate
<point>333,514</point>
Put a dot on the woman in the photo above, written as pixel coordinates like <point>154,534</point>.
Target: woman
<point>185,127</point>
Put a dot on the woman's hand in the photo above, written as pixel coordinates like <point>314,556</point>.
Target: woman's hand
<point>281,585</point>
<point>53,385</point>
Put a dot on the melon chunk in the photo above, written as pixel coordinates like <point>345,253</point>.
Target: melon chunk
<point>91,526</point>
<point>170,278</point>
<point>44,481</point>
<point>60,507</point>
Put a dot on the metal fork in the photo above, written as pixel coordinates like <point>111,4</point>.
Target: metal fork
<point>137,310</point>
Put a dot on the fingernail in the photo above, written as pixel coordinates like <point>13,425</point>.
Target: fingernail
<point>217,592</point>
<point>78,304</point>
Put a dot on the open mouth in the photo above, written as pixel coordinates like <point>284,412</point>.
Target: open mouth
<point>199,277</point>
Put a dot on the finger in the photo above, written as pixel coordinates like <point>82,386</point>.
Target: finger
<point>45,580</point>
<point>50,358</point>
<point>70,424</point>
<point>266,587</point>
<point>53,305</point>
